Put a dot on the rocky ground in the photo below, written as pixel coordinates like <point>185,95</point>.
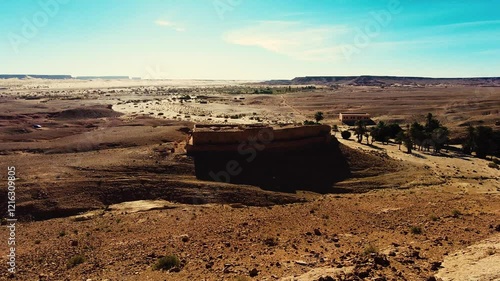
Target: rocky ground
<point>399,217</point>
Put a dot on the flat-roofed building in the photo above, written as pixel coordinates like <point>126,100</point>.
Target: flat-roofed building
<point>349,117</point>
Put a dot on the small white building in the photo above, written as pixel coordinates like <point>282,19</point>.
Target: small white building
<point>353,117</point>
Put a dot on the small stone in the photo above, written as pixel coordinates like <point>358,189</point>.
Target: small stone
<point>363,273</point>
<point>184,238</point>
<point>74,243</point>
<point>175,269</point>
<point>254,272</point>
<point>209,265</point>
<point>435,266</point>
<point>317,232</point>
<point>299,262</point>
<point>381,260</point>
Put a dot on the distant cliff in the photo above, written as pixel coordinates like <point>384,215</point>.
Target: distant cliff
<point>367,80</point>
<point>102,77</point>
<point>59,77</point>
<point>27,76</point>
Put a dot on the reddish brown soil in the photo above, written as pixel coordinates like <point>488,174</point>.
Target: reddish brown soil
<point>87,157</point>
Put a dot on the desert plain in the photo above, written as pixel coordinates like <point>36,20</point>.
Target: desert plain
<point>104,188</point>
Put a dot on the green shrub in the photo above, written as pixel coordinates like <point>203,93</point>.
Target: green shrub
<point>416,230</point>
<point>76,260</point>
<point>370,249</point>
<point>166,263</point>
<point>346,135</point>
<point>456,213</point>
<point>271,242</point>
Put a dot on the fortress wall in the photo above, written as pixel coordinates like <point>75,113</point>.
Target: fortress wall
<point>305,157</point>
<point>287,145</point>
<point>240,136</point>
<point>230,137</point>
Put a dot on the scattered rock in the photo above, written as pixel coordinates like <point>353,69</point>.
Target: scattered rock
<point>435,266</point>
<point>381,260</point>
<point>300,262</point>
<point>175,269</point>
<point>184,238</point>
<point>254,272</point>
<point>209,265</point>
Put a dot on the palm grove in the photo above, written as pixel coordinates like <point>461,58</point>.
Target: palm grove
<point>481,140</point>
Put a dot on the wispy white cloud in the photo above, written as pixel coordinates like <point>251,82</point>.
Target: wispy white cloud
<point>170,24</point>
<point>472,23</point>
<point>292,38</point>
<point>307,42</point>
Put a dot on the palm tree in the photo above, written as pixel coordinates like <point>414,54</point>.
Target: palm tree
<point>360,130</point>
<point>440,138</point>
<point>318,116</point>
<point>470,140</point>
<point>399,139</point>
<point>407,139</point>
<point>484,139</point>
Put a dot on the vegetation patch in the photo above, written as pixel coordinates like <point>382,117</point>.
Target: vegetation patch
<point>167,262</point>
<point>75,260</point>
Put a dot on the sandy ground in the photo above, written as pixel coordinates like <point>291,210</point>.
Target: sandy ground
<point>464,175</point>
<point>477,262</point>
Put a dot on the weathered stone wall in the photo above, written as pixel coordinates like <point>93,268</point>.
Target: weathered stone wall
<point>233,136</point>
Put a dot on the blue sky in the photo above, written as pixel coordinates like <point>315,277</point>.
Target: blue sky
<point>250,39</point>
